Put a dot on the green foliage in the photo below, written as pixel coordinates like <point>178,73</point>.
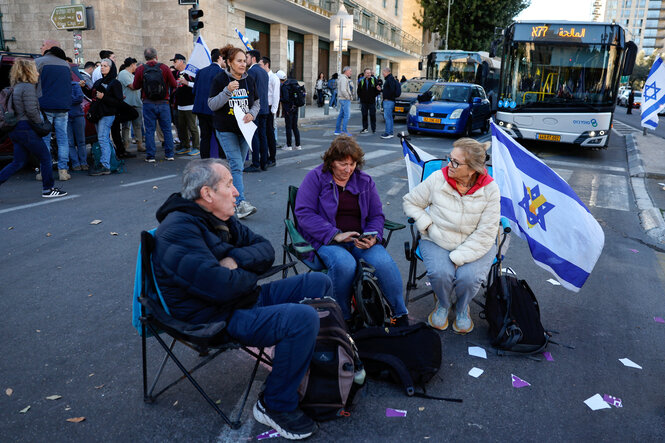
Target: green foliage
<point>641,70</point>
<point>472,22</point>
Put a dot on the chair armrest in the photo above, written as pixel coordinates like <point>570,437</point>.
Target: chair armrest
<point>393,226</point>
<point>410,220</point>
<point>275,269</point>
<point>298,242</point>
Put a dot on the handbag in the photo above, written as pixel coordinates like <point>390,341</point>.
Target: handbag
<point>44,128</point>
<point>94,113</point>
<point>126,113</point>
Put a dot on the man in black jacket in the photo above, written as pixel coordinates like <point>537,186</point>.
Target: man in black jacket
<point>207,265</point>
<point>391,90</point>
<point>368,89</point>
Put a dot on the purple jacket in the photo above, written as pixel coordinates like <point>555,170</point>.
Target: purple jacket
<point>317,201</point>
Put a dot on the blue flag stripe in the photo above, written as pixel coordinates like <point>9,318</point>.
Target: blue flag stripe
<point>412,157</point>
<point>653,108</point>
<point>536,170</point>
<point>568,271</point>
<point>656,65</point>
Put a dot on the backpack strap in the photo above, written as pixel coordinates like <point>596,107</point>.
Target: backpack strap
<point>431,397</point>
<point>396,365</point>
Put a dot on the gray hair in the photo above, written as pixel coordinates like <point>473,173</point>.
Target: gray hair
<point>475,153</point>
<point>150,53</point>
<point>386,69</point>
<point>108,61</point>
<point>199,173</point>
<point>346,68</point>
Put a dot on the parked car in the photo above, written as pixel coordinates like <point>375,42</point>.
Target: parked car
<point>411,89</point>
<point>623,99</point>
<point>622,89</point>
<point>455,108</point>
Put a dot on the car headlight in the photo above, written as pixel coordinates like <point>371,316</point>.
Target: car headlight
<point>412,111</point>
<point>456,114</point>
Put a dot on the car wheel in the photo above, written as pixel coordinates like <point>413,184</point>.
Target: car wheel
<point>467,129</point>
<point>412,131</point>
<point>486,126</point>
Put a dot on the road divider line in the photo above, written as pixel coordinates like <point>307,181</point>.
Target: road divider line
<point>585,166</point>
<point>45,202</point>
<point>150,180</point>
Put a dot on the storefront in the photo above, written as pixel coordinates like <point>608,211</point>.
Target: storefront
<point>294,55</point>
<point>258,34</point>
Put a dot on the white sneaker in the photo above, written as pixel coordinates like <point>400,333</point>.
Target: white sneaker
<point>463,323</point>
<point>298,148</point>
<point>244,209</point>
<point>438,318</point>
<point>287,148</point>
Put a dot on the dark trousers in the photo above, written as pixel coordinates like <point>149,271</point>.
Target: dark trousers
<point>320,97</point>
<point>270,134</point>
<point>279,320</point>
<point>116,134</point>
<point>291,121</point>
<point>260,142</point>
<point>27,142</point>
<point>371,108</point>
<point>207,137</point>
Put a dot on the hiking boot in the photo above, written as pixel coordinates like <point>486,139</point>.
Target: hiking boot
<point>438,318</point>
<point>63,175</point>
<point>364,131</point>
<point>400,321</point>
<point>463,323</point>
<point>294,425</point>
<point>140,147</point>
<point>84,167</point>
<point>244,209</point>
<point>76,168</point>
<point>100,170</point>
<point>38,176</point>
<point>53,192</point>
<point>271,164</point>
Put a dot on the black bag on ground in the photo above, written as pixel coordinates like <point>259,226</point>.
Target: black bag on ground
<point>513,314</point>
<point>329,389</point>
<point>369,306</point>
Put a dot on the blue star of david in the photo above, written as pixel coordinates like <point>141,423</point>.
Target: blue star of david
<point>655,91</point>
<point>535,207</point>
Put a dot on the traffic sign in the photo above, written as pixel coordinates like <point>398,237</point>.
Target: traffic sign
<point>69,17</point>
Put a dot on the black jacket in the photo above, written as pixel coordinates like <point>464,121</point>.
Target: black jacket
<point>367,91</point>
<point>189,243</point>
<point>391,89</point>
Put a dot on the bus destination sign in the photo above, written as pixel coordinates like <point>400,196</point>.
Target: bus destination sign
<point>563,32</point>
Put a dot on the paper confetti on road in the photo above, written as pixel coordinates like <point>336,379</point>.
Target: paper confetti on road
<point>95,222</point>
<point>631,364</point>
<point>477,351</point>
<point>548,356</point>
<point>24,410</point>
<point>114,233</point>
<point>268,434</point>
<point>518,382</point>
<point>634,251</point>
<point>611,400</point>
<point>659,320</point>
<point>9,392</point>
<point>395,412</point>
<point>596,402</point>
<point>54,397</point>
<point>476,372</point>
<point>553,282</point>
<point>76,419</point>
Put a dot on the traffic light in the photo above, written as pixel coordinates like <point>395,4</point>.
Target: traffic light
<point>194,23</point>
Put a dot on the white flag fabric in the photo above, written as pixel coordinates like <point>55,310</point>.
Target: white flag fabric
<point>563,236</point>
<point>199,59</point>
<point>653,96</point>
<point>415,158</point>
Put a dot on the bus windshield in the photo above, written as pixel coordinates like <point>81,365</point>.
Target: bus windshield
<point>450,93</point>
<point>560,76</point>
<point>413,86</point>
<point>454,69</point>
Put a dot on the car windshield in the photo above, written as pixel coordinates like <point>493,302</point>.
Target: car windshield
<point>412,86</point>
<point>450,93</point>
<point>638,94</point>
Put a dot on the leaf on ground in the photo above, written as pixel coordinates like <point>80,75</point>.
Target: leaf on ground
<point>48,234</point>
<point>76,419</point>
<point>99,387</point>
<point>95,222</point>
<point>54,397</point>
<point>91,374</point>
<point>24,410</point>
<point>218,402</point>
<point>9,391</point>
<point>155,187</point>
<point>114,233</point>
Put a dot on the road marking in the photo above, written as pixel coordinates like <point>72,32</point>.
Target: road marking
<point>45,202</point>
<point>387,168</point>
<point>150,180</point>
<point>362,142</point>
<point>564,173</point>
<point>394,190</point>
<point>585,166</point>
<point>594,191</point>
<point>614,193</point>
<point>368,156</point>
<point>621,126</point>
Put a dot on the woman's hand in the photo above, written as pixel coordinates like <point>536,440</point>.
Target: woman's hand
<point>365,243</point>
<point>248,118</point>
<point>233,85</point>
<point>100,95</point>
<point>345,237</point>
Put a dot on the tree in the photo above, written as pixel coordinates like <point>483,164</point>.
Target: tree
<point>641,70</point>
<point>472,22</point>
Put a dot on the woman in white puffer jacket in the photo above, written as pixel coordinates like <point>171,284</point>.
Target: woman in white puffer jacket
<point>457,211</point>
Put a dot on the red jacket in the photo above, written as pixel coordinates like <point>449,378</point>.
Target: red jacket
<point>169,81</point>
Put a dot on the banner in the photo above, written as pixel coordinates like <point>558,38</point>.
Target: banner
<point>653,96</point>
<point>199,59</point>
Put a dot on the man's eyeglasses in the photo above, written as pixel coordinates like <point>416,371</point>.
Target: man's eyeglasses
<point>454,163</point>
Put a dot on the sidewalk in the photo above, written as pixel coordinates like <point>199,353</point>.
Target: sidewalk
<point>314,114</point>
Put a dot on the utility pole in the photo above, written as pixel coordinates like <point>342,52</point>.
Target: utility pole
<point>450,2</point>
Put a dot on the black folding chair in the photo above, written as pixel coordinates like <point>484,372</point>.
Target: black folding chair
<point>152,318</point>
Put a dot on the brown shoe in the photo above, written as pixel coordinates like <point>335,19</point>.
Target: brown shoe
<point>63,175</point>
<point>140,147</point>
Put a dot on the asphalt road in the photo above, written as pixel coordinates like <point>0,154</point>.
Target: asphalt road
<point>66,289</point>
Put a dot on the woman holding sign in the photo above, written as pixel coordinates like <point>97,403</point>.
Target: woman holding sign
<point>232,95</point>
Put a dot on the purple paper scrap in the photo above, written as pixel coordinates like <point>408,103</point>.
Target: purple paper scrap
<point>635,251</point>
<point>268,434</point>
<point>395,412</point>
<point>612,401</point>
<point>658,320</point>
<point>548,356</point>
<point>518,382</point>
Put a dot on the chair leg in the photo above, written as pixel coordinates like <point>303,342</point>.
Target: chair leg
<point>145,364</point>
<point>249,388</point>
<point>159,372</point>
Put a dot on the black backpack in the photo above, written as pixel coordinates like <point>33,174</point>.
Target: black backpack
<point>298,94</point>
<point>369,306</point>
<point>8,119</point>
<point>513,314</point>
<point>335,374</point>
<point>154,86</point>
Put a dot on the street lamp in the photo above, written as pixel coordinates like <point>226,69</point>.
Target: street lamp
<point>341,33</point>
<point>450,2</point>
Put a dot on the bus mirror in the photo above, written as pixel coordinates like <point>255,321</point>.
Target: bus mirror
<point>629,61</point>
<point>420,65</point>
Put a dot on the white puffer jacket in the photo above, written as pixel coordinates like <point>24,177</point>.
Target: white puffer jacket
<point>466,225</point>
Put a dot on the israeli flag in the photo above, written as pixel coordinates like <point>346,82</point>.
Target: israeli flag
<point>653,96</point>
<point>246,42</point>
<point>415,158</point>
<point>199,59</point>
<point>542,208</point>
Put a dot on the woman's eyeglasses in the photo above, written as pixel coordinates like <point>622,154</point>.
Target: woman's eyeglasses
<point>454,163</point>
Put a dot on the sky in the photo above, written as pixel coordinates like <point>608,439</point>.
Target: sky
<point>571,10</point>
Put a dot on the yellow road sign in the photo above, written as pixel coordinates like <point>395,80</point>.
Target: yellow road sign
<point>69,17</point>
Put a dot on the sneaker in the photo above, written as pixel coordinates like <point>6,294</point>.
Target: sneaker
<point>298,148</point>
<point>182,151</point>
<point>347,133</point>
<point>53,192</point>
<point>76,168</point>
<point>287,148</point>
<point>150,160</point>
<point>400,321</point>
<point>251,168</point>
<point>337,133</point>
<point>126,155</point>
<point>84,167</point>
<point>101,170</point>
<point>63,175</point>
<point>194,152</point>
<point>387,136</point>
<point>463,323</point>
<point>294,425</point>
<point>364,131</point>
<point>271,164</point>
<point>169,159</point>
<point>244,209</point>
<point>140,148</point>
<point>438,318</point>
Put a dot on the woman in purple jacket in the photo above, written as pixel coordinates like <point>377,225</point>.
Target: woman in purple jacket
<point>335,205</point>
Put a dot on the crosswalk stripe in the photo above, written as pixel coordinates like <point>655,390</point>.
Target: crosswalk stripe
<point>299,158</point>
<point>387,168</point>
<point>396,187</point>
<point>584,165</point>
<point>612,192</point>
<point>564,173</point>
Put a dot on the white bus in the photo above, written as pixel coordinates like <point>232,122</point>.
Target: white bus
<point>559,80</point>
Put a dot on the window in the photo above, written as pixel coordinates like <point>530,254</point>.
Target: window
<point>385,3</point>
<point>396,7</point>
<point>649,42</point>
<point>650,32</point>
<point>258,34</point>
<point>655,4</point>
<point>381,28</point>
<point>636,40</point>
<point>642,3</point>
<point>654,13</point>
<point>652,23</point>
<point>366,20</point>
<point>627,3</point>
<point>639,22</point>
<point>648,51</point>
<point>625,13</point>
<point>294,55</point>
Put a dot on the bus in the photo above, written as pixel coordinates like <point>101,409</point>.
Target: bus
<point>559,80</point>
<point>466,67</point>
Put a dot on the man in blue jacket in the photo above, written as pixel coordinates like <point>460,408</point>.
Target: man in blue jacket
<point>201,109</point>
<point>391,90</point>
<point>55,98</point>
<point>260,140</point>
<point>207,265</point>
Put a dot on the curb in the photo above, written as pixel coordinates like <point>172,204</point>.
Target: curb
<point>650,216</point>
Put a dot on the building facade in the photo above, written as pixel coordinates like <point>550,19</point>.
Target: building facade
<point>643,19</point>
<point>293,33</point>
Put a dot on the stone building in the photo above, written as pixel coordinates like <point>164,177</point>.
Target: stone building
<point>293,33</point>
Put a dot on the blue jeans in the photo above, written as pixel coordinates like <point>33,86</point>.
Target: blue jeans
<point>341,261</point>
<point>104,138</point>
<point>76,136</point>
<point>333,98</point>
<point>235,147</point>
<point>153,113</point>
<point>279,320</point>
<point>59,120</point>
<point>260,142</point>
<point>388,108</point>
<point>343,116</point>
<point>445,279</point>
<point>26,141</point>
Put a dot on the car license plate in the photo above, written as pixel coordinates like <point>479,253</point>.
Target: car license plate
<point>549,137</point>
<point>431,120</point>
<point>399,109</point>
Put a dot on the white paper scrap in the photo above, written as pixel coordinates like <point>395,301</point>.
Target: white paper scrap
<point>629,363</point>
<point>596,402</point>
<point>476,372</point>
<point>477,351</point>
<point>247,129</point>
<point>554,282</point>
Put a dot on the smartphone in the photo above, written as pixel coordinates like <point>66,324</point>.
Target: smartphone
<point>368,234</point>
